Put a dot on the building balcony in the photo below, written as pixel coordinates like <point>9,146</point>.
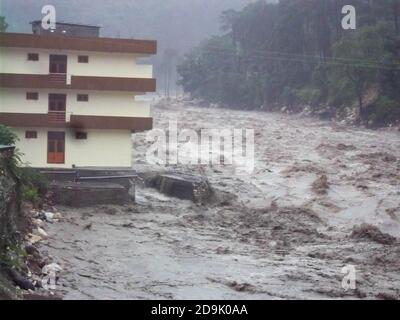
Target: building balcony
<point>59,119</point>
<point>65,81</point>
<point>134,124</point>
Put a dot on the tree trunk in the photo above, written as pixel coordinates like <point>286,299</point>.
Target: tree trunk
<point>360,108</point>
<point>396,9</point>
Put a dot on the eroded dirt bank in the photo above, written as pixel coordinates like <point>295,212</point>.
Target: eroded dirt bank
<point>285,231</point>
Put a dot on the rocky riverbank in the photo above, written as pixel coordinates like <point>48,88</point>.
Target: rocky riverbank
<point>346,116</point>
<point>24,272</point>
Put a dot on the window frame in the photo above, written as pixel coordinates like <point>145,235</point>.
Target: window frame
<point>83,59</point>
<point>81,135</point>
<point>33,56</point>
<point>31,134</point>
<point>33,96</point>
<point>85,97</point>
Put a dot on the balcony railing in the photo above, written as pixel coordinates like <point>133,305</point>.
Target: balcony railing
<point>57,117</point>
<point>68,81</point>
<point>59,78</point>
<point>136,124</point>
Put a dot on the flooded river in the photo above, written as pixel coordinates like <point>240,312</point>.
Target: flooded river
<point>284,231</point>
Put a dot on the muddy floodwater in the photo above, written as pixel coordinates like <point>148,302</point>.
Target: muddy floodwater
<point>321,196</point>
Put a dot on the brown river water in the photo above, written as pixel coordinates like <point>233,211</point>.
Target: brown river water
<point>285,231</point>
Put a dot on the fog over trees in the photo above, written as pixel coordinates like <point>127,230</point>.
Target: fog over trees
<point>296,53</point>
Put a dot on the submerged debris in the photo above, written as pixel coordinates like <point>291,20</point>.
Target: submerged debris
<point>345,147</point>
<point>51,268</point>
<point>234,285</point>
<point>182,186</point>
<point>321,185</point>
<point>370,232</point>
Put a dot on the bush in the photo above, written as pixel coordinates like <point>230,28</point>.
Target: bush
<point>8,137</point>
<point>309,96</point>
<point>34,184</point>
<point>30,178</point>
<point>30,194</point>
<point>289,96</point>
<point>384,111</point>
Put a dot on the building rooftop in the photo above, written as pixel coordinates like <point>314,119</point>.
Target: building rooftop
<point>59,42</point>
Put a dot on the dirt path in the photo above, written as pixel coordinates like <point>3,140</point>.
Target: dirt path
<point>286,232</point>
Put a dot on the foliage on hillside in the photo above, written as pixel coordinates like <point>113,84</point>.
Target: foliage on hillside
<point>296,53</point>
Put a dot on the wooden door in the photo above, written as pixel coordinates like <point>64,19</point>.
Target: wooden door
<point>58,63</point>
<point>57,108</point>
<point>56,147</point>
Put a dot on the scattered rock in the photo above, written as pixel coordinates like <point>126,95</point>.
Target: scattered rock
<point>49,216</point>
<point>38,222</point>
<point>20,280</point>
<point>57,216</point>
<point>40,232</point>
<point>30,249</point>
<point>33,238</point>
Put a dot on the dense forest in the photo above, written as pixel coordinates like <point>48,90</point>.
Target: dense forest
<point>296,55</point>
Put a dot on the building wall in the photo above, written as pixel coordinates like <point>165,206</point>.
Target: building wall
<point>101,103</point>
<point>103,148</point>
<point>14,60</point>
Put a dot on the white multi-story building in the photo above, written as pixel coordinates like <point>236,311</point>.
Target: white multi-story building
<point>72,99</point>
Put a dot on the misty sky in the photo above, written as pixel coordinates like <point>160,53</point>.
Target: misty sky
<point>184,22</point>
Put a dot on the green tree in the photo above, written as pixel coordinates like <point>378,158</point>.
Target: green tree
<point>7,136</point>
<point>3,24</point>
<point>361,61</point>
